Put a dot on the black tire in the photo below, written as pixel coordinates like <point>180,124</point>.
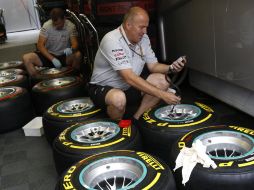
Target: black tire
<point>49,92</point>
<point>11,72</point>
<point>51,73</point>
<point>12,64</point>
<point>140,170</point>
<point>16,108</point>
<point>14,80</point>
<point>66,113</point>
<point>234,171</point>
<point>159,133</point>
<point>91,137</point>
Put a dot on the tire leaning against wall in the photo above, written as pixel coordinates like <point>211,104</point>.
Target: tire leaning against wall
<point>161,126</point>
<point>129,169</point>
<point>231,147</point>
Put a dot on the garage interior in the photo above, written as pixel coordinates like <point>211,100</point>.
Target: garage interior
<point>218,74</point>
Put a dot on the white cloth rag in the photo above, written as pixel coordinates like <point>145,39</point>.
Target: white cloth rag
<point>189,157</point>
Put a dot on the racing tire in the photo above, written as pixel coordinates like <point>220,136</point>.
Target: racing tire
<point>161,126</point>
<point>14,80</point>
<point>46,73</point>
<point>122,169</point>
<point>12,64</point>
<point>66,113</point>
<point>230,147</point>
<point>11,72</point>
<point>49,92</point>
<point>16,108</point>
<point>85,139</point>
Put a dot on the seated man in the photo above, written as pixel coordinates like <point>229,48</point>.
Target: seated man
<point>57,45</point>
<point>116,80</point>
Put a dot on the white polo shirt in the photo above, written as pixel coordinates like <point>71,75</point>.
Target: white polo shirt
<point>115,54</point>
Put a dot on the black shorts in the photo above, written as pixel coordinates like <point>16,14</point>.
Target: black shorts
<point>98,93</point>
<point>48,63</point>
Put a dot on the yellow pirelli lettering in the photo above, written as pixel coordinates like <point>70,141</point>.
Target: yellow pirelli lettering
<point>205,107</point>
<point>98,146</point>
<point>151,161</point>
<point>127,131</point>
<point>244,130</point>
<point>67,184</point>
<point>181,144</point>
<point>162,124</point>
<point>246,164</point>
<point>226,164</point>
<point>157,177</point>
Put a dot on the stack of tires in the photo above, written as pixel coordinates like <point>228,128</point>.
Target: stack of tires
<point>15,101</point>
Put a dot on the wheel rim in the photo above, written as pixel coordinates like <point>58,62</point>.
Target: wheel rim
<point>10,64</point>
<point>8,73</point>
<point>227,145</point>
<point>52,71</point>
<point>7,79</point>
<point>6,92</point>
<point>58,82</point>
<point>75,106</point>
<point>118,172</point>
<point>180,112</point>
<point>95,132</point>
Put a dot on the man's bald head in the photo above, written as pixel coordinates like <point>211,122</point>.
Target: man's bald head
<point>133,13</point>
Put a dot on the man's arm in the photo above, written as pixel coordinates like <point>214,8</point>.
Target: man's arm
<point>74,43</point>
<point>41,47</point>
<point>137,82</point>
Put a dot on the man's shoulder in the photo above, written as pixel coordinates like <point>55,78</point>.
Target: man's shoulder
<point>69,23</point>
<point>113,35</point>
<point>47,24</point>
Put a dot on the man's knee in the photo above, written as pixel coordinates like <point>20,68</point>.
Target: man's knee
<point>29,59</point>
<point>116,98</point>
<point>158,80</point>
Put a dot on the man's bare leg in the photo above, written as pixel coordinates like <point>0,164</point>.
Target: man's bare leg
<point>149,101</point>
<point>116,102</point>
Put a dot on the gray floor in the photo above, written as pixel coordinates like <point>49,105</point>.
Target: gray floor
<point>26,163</point>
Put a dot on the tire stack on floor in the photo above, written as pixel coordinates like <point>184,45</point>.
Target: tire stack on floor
<point>12,74</point>
<point>15,102</point>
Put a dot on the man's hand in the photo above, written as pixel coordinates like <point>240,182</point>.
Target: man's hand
<point>170,98</point>
<point>56,63</point>
<point>68,51</point>
<point>177,65</point>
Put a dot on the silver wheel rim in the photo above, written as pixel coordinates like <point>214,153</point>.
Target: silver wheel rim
<point>75,106</point>
<point>6,91</point>
<point>117,172</point>
<point>10,64</point>
<point>7,73</point>
<point>95,132</point>
<point>52,71</point>
<point>7,79</point>
<point>227,145</point>
<point>58,82</point>
<point>180,112</point>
